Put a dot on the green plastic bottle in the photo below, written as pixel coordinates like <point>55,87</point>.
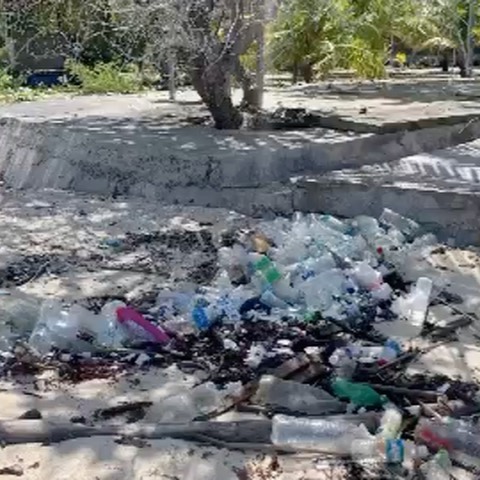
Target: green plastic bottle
<point>360,394</point>
<point>268,271</point>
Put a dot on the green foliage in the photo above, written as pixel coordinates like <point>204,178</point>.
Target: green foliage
<point>306,32</point>
<point>106,78</point>
<point>358,34</point>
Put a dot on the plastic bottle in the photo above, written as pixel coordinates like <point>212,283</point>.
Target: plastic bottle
<point>367,354</point>
<point>451,435</point>
<point>367,277</point>
<point>438,467</point>
<point>376,449</point>
<point>414,306</point>
<point>316,434</point>
<point>18,310</point>
<point>405,225</point>
<point>200,317</point>
<point>226,308</point>
<point>293,396</point>
<point>334,223</point>
<point>343,363</point>
<point>359,394</point>
<point>60,328</point>
<point>270,299</point>
<point>390,423</point>
<point>267,270</point>
<point>109,332</point>
<point>419,301</point>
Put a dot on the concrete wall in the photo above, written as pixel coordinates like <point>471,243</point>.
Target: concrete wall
<point>246,171</point>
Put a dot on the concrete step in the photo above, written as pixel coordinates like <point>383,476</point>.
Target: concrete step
<point>440,189</point>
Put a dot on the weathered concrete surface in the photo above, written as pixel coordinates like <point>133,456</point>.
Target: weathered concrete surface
<point>139,146</point>
<point>440,189</point>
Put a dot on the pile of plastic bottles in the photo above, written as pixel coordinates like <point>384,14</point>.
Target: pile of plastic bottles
<point>289,268</point>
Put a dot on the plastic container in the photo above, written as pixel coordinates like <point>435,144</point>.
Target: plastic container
<point>316,434</point>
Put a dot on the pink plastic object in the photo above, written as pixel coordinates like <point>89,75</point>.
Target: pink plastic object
<point>138,326</point>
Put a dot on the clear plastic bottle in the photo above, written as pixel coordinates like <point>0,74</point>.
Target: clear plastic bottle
<point>60,328</point>
<point>414,306</point>
<point>378,450</point>
<point>366,276</point>
<point>450,434</point>
<point>316,434</point>
<point>109,332</point>
<point>420,300</point>
<point>405,225</point>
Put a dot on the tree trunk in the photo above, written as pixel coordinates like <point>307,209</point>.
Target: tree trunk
<point>260,67</point>
<point>172,84</point>
<point>295,73</point>
<point>250,92</point>
<point>212,83</point>
<point>307,72</point>
<point>444,62</point>
<point>469,40</point>
<point>462,63</point>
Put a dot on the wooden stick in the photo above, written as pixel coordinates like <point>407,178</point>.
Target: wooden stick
<point>408,392</point>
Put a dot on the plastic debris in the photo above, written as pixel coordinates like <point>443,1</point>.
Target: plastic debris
<point>302,297</point>
<point>360,395</point>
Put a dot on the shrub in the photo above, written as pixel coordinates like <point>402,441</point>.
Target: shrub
<point>105,78</point>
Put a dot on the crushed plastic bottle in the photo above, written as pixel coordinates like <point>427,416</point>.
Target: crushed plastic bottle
<point>359,394</point>
<point>327,436</point>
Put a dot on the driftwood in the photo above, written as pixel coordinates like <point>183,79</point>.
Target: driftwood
<point>39,431</point>
<point>254,434</point>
